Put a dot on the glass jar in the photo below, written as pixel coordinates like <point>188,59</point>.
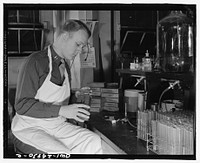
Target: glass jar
<point>175,43</point>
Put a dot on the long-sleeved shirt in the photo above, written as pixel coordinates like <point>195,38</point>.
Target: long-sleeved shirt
<point>31,76</point>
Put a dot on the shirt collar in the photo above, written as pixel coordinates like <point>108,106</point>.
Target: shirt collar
<point>56,58</point>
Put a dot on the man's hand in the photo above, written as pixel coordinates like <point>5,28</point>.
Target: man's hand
<point>75,111</point>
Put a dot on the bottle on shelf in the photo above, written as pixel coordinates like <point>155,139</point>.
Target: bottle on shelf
<point>146,62</point>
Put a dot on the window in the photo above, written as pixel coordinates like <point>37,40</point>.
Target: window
<point>24,32</point>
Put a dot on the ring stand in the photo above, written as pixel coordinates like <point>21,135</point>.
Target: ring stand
<point>125,119</point>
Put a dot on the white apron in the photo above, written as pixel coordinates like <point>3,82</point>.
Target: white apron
<point>55,135</point>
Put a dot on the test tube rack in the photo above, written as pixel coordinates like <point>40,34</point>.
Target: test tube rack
<point>164,137</point>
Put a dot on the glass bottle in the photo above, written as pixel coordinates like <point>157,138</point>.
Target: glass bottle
<point>175,42</point>
<point>147,62</point>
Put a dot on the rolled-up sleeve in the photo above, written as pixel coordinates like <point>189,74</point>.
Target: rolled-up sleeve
<point>29,81</point>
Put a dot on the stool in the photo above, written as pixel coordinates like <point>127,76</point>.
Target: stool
<point>23,148</point>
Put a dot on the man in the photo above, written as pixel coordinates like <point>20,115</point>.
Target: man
<point>42,98</point>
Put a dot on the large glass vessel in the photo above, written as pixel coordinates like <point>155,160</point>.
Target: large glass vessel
<point>175,43</point>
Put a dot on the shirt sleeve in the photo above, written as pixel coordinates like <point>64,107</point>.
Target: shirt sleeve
<point>27,86</point>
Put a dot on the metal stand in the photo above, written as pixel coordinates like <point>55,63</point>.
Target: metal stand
<point>125,119</point>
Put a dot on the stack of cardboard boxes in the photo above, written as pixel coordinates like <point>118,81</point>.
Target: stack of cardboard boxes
<point>110,99</point>
<point>104,96</point>
<point>95,103</point>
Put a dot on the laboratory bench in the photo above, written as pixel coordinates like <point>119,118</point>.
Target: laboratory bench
<point>118,134</point>
<point>120,138</point>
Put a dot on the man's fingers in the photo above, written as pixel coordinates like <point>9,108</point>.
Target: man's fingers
<point>83,111</point>
<point>82,116</point>
<point>78,119</point>
<point>83,106</point>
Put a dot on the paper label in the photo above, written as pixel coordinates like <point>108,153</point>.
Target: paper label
<point>88,60</point>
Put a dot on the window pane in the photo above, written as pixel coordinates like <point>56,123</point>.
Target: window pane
<point>12,41</point>
<point>12,16</point>
<point>30,40</point>
<point>27,16</point>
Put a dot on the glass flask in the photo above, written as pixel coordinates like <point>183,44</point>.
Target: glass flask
<point>175,43</point>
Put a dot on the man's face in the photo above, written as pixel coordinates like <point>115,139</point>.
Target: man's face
<point>74,44</point>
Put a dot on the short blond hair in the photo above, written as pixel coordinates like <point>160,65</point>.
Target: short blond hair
<point>73,26</point>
